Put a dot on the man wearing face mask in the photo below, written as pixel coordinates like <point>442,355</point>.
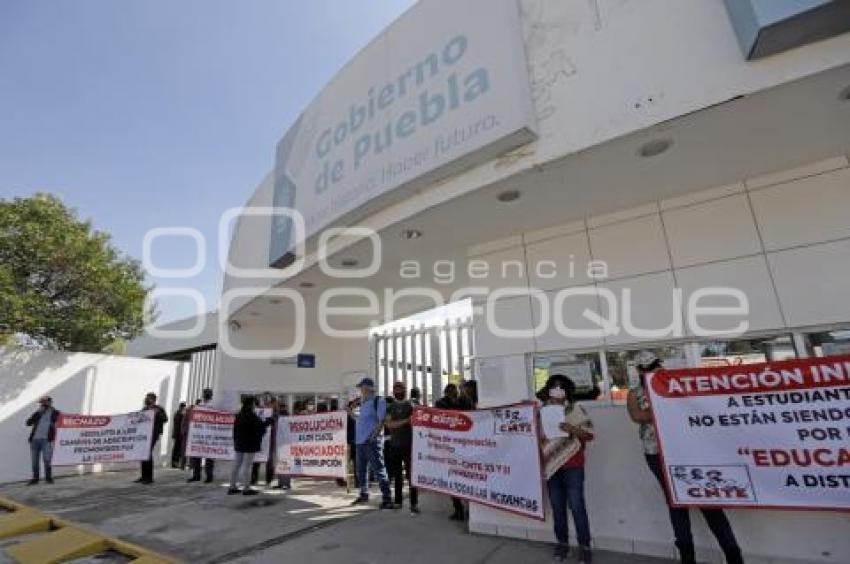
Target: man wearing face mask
<point>43,423</point>
<point>399,413</point>
<point>160,418</point>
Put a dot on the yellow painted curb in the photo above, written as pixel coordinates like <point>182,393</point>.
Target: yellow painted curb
<point>63,540</point>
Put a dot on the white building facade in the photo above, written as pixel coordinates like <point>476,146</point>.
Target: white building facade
<point>586,173</point>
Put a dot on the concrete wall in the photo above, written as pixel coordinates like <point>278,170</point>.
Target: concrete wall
<point>764,235</point>
<point>78,383</point>
<point>338,362</point>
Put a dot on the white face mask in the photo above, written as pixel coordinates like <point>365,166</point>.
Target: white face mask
<point>557,393</point>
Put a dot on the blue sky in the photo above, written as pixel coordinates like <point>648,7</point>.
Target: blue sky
<point>160,112</point>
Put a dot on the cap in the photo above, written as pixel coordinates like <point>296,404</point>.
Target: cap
<point>645,359</point>
<point>366,382</point>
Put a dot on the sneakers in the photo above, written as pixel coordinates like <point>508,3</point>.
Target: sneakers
<point>414,510</point>
<point>49,480</point>
<point>386,504</point>
<point>232,491</point>
<point>360,501</point>
<point>585,555</point>
<point>139,481</point>
<point>207,481</point>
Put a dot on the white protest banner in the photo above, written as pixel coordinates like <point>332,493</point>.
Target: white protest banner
<point>773,435</point>
<point>211,434</point>
<point>313,445</point>
<point>488,456</point>
<point>96,439</point>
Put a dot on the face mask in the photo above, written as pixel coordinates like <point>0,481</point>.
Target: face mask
<point>557,393</point>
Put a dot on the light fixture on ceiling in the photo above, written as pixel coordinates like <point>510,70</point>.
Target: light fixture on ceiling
<point>349,262</point>
<point>509,196</point>
<point>410,234</point>
<point>845,95</point>
<point>654,148</point>
<point>306,284</point>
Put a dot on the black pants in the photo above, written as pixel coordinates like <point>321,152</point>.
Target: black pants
<point>177,458</point>
<point>398,468</point>
<point>681,520</point>
<point>209,467</point>
<point>147,465</point>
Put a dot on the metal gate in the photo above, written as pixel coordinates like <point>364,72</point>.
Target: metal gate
<point>424,357</point>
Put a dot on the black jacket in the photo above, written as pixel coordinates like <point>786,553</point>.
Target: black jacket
<point>177,425</point>
<point>160,418</point>
<point>36,417</point>
<point>248,431</point>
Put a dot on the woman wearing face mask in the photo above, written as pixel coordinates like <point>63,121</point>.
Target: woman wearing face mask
<point>564,466</point>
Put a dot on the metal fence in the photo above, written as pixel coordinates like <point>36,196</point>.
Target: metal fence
<point>424,357</point>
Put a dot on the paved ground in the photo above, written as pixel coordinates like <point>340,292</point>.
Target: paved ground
<point>312,523</point>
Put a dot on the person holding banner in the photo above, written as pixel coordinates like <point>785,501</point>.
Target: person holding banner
<point>248,431</point>
<point>640,412</point>
<point>399,413</point>
<point>195,462</point>
<point>42,436</point>
<point>160,418</point>
<point>563,456</point>
<point>369,423</point>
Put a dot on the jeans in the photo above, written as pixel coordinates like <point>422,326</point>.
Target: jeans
<point>681,521</point>
<point>243,462</point>
<point>398,468</point>
<point>566,488</point>
<point>41,448</point>
<point>147,465</point>
<point>370,456</point>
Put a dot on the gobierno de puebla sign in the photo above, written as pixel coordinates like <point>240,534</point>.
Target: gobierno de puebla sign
<point>445,87</point>
<point>774,435</point>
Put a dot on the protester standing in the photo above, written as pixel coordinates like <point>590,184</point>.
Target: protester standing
<point>373,412</point>
<point>452,400</point>
<point>178,460</point>
<point>248,431</point>
<point>195,462</point>
<point>449,399</point>
<point>283,482</point>
<point>41,439</point>
<point>640,412</point>
<point>160,418</point>
<point>351,440</point>
<point>399,415</point>
<point>564,457</point>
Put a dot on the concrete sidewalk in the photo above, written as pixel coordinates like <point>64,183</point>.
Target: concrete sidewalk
<point>200,523</point>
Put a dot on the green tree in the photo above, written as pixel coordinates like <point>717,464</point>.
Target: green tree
<point>62,283</point>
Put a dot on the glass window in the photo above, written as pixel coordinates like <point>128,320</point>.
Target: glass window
<point>746,351</point>
<point>623,371</point>
<point>584,369</point>
<point>828,343</point>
